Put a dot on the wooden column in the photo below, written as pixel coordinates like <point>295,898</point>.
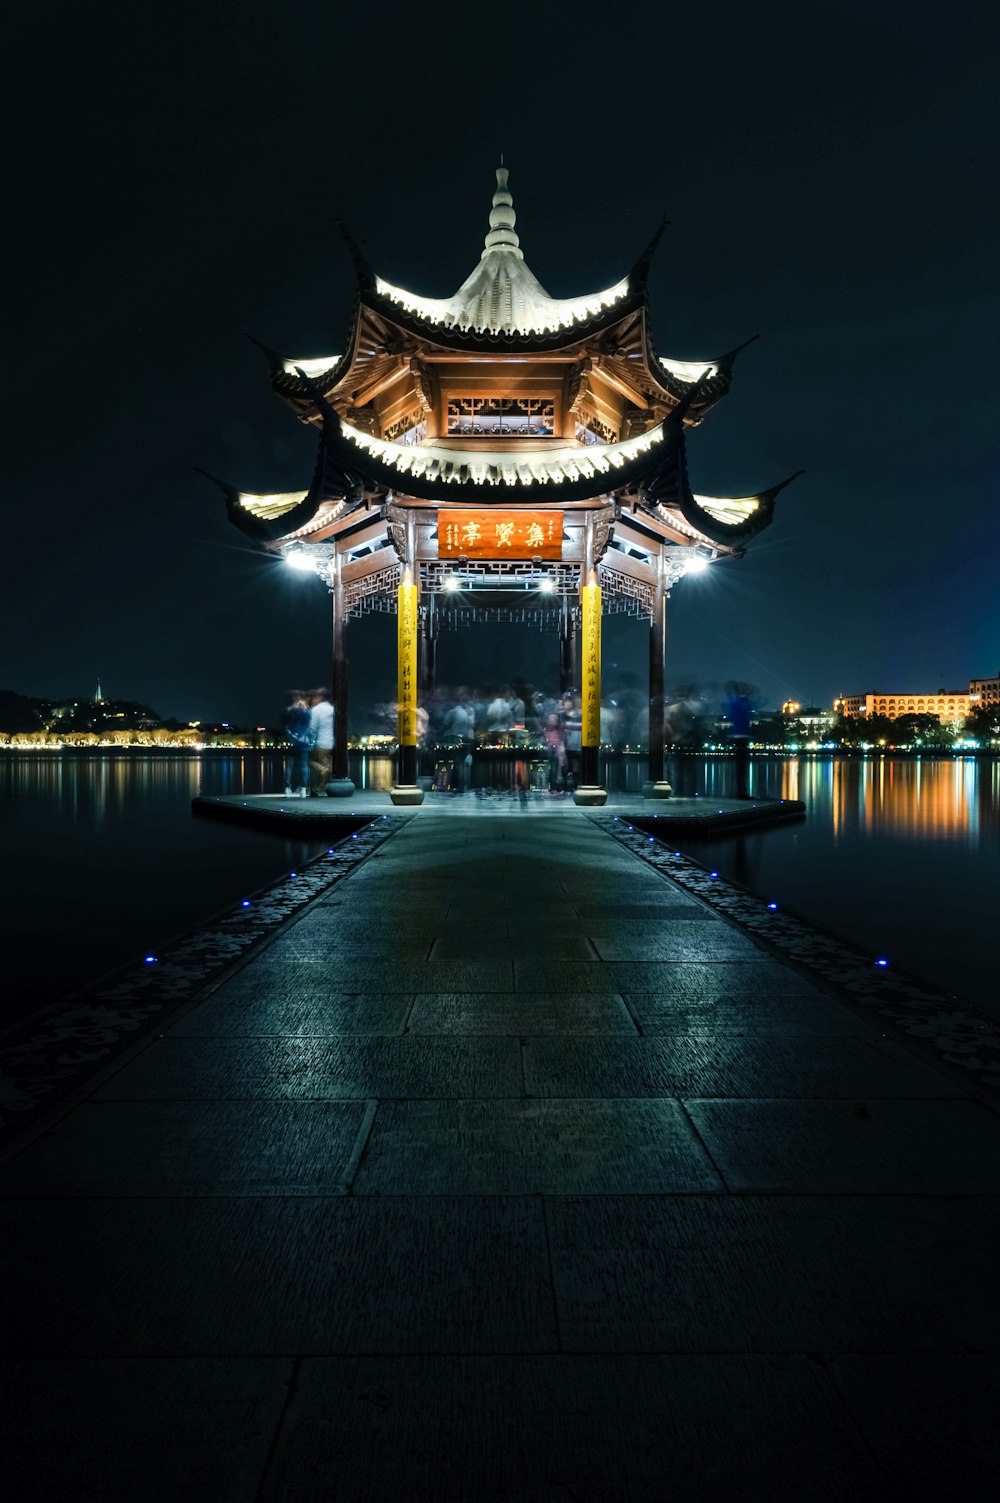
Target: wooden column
<point>341,673</point>
<point>567,647</point>
<point>428,648</point>
<point>657,628</point>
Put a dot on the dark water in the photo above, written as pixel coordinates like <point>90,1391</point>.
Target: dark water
<point>901,855</point>
<point>103,860</point>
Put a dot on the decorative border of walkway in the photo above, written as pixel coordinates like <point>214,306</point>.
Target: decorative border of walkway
<point>939,1023</point>
<point>48,1057</point>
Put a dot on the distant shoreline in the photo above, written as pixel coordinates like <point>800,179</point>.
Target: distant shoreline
<point>815,753</point>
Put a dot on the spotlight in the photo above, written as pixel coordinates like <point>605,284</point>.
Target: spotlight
<point>452,582</point>
<point>695,564</point>
<point>299,559</point>
<point>547,586</point>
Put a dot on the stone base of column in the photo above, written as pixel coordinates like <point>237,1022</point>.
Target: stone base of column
<point>590,796</point>
<point>406,794</point>
<point>340,788</point>
<point>657,790</point>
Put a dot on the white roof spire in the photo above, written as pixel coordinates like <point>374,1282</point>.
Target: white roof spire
<point>502,295</point>
<point>502,220</point>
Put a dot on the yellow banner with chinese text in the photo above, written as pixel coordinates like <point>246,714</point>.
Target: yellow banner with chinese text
<point>590,645</point>
<point>500,534</point>
<point>406,626</point>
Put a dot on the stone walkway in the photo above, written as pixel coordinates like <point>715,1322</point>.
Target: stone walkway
<point>508,1171</point>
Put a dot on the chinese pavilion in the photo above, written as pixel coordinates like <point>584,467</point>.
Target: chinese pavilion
<point>500,454</point>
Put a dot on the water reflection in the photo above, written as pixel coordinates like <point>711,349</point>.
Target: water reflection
<point>902,854</point>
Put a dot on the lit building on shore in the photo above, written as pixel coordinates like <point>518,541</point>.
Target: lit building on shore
<point>947,704</point>
<point>985,691</point>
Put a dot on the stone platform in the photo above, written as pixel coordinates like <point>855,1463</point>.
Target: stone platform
<point>506,1168</point>
<point>674,816</point>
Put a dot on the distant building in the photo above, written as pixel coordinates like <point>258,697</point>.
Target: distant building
<point>985,691</point>
<point>812,718</point>
<point>946,704</point>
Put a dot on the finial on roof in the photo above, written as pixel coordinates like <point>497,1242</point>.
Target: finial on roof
<point>502,235</point>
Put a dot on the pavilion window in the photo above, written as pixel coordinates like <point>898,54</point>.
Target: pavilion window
<point>407,431</point>
<point>501,417</point>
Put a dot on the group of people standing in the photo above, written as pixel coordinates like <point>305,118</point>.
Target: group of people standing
<point>503,716</point>
<point>308,727</point>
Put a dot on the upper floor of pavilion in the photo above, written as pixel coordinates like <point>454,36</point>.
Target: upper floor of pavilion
<point>501,364</point>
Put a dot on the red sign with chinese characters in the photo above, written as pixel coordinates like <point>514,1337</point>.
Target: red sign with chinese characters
<point>500,534</point>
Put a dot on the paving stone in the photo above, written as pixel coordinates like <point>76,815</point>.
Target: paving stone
<point>512,947</point>
<point>749,1065</point>
<point>530,1147</point>
<point>678,939</point>
<point>521,1013</point>
<point>277,1276</point>
<point>930,1420</point>
<point>775,1273</point>
<point>253,1007</point>
<point>840,1147</point>
<point>359,975</point>
<point>675,1012</point>
<point>327,1069</point>
<point>702,981</point>
<point>583,1429</point>
<point>573,976</point>
<point>674,904</point>
<point>134,1428</point>
<point>187,1148</point>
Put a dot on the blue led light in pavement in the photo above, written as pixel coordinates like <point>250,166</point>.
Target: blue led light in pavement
<point>150,959</point>
<point>881,962</point>
<point>245,903</point>
<point>772,906</point>
<point>713,874</point>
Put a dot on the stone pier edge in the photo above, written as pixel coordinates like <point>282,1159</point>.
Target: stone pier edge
<point>46,1058</point>
<point>940,1025</point>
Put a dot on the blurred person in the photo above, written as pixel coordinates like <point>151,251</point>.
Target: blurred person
<point>572,714</point>
<point>739,709</point>
<point>296,721</point>
<point>460,725</point>
<point>685,732</point>
<point>321,754</point>
<point>554,736</point>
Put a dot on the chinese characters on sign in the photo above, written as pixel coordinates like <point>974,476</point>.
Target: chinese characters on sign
<point>590,649</point>
<point>406,624</point>
<point>500,534</point>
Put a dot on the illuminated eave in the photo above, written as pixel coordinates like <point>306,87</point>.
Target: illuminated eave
<point>532,314</point>
<point>733,512</point>
<point>554,466</point>
<point>312,368</point>
<point>269,508</point>
<point>690,371</point>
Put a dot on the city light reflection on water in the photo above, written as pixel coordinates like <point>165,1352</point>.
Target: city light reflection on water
<point>898,854</point>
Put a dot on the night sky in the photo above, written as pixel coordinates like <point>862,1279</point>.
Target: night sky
<point>173,179</point>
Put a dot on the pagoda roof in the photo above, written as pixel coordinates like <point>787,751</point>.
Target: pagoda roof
<point>502,300</point>
<point>501,309</point>
<point>651,465</point>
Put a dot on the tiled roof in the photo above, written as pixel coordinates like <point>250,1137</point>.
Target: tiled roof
<point>502,295</point>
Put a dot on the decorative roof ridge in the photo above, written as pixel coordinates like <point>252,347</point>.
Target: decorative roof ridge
<point>365,274</point>
<point>640,268</point>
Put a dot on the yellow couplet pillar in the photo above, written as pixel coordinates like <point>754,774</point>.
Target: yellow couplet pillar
<point>407,623</point>
<point>590,598</point>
